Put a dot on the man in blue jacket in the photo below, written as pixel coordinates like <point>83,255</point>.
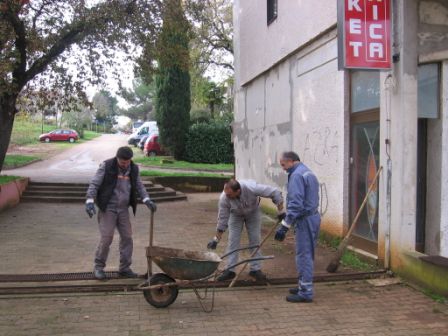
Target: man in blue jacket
<point>302,214</point>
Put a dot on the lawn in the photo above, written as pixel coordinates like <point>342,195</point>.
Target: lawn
<point>27,133</point>
<point>6,178</point>
<point>13,161</point>
<point>158,162</point>
<point>156,173</point>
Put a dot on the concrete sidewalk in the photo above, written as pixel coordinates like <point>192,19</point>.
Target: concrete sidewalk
<point>354,308</point>
<point>60,238</point>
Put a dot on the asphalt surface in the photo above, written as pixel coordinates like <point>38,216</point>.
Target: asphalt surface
<point>77,164</point>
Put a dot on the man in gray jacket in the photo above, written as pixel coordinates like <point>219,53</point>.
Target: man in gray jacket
<point>238,207</point>
<point>114,188</point>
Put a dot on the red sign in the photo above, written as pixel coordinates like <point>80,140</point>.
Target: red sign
<point>364,30</point>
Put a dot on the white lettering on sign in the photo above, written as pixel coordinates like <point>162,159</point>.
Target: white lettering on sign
<point>372,33</point>
<point>375,48</point>
<point>354,4</point>
<point>355,26</point>
<point>356,46</point>
<point>375,12</point>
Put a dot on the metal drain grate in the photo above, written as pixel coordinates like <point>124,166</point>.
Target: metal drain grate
<point>53,277</point>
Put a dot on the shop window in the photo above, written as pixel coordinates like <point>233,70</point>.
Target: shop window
<point>428,91</point>
<point>272,10</point>
<point>365,90</point>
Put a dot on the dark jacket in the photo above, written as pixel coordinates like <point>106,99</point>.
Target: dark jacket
<point>106,189</point>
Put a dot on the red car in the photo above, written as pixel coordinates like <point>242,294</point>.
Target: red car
<point>60,135</point>
<point>152,146</point>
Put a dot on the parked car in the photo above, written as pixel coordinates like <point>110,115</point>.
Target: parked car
<point>141,143</point>
<point>148,127</point>
<point>60,135</point>
<point>136,125</point>
<point>152,146</point>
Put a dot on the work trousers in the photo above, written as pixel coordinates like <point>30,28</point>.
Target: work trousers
<point>252,222</point>
<point>306,232</point>
<point>107,222</point>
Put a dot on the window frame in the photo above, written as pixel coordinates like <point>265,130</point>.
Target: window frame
<point>271,11</point>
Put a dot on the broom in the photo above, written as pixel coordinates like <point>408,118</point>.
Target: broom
<point>334,264</point>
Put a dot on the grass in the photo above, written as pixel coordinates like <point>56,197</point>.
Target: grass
<point>89,135</point>
<point>13,161</point>
<point>27,133</point>
<point>350,259</point>
<point>435,297</point>
<point>156,173</point>
<point>158,162</point>
<point>7,178</point>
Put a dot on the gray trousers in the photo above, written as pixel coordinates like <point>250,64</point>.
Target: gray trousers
<point>107,222</point>
<point>252,221</point>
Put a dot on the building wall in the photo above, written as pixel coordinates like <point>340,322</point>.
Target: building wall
<point>294,27</point>
<point>285,109</point>
<point>443,232</point>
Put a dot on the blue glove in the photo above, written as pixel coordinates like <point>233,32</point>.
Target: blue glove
<point>281,233</point>
<point>151,205</point>
<point>90,209</point>
<point>212,244</point>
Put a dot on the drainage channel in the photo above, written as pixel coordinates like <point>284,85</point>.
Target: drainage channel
<point>13,287</point>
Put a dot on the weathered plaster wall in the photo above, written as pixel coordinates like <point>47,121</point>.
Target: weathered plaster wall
<point>444,171</point>
<point>404,131</point>
<point>433,30</point>
<point>287,108</point>
<point>295,25</point>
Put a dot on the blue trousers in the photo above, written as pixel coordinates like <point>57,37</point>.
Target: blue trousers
<point>306,232</point>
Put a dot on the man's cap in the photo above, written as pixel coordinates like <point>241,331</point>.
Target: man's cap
<point>125,153</point>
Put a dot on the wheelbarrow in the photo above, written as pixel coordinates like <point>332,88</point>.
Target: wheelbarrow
<point>183,268</point>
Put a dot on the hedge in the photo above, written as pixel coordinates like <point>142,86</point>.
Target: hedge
<point>209,143</point>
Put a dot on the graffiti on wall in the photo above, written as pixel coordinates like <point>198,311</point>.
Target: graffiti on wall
<point>321,146</point>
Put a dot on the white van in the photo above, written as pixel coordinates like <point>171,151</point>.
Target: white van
<point>146,128</point>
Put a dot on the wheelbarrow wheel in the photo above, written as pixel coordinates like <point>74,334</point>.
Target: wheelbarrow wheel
<point>161,297</point>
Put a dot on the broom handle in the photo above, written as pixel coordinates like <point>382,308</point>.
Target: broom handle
<point>151,238</point>
<point>254,253</point>
<point>361,208</point>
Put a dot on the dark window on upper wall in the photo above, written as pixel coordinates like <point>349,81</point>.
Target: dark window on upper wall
<point>272,10</point>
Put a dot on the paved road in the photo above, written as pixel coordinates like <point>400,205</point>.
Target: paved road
<point>341,309</point>
<point>77,164</point>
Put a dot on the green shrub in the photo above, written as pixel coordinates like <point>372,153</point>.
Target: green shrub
<point>209,143</point>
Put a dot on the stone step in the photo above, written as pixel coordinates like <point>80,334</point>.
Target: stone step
<point>52,199</point>
<point>82,194</point>
<point>83,189</point>
<point>63,184</point>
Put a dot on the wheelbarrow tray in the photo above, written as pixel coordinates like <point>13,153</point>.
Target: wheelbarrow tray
<point>184,265</point>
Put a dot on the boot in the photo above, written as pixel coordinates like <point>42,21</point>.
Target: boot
<point>99,274</point>
<point>127,274</point>
<point>258,275</point>
<point>226,275</point>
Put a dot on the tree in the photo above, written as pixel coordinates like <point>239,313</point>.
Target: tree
<point>39,38</point>
<point>140,99</point>
<point>105,106</point>
<point>212,43</point>
<point>173,79</point>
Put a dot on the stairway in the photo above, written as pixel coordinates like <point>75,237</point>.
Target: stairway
<point>76,192</point>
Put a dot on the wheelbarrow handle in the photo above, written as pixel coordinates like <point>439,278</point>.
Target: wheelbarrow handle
<point>239,249</point>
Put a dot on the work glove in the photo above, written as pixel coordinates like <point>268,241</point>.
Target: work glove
<point>281,215</point>
<point>212,244</point>
<point>280,234</point>
<point>90,209</point>
<point>151,205</point>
